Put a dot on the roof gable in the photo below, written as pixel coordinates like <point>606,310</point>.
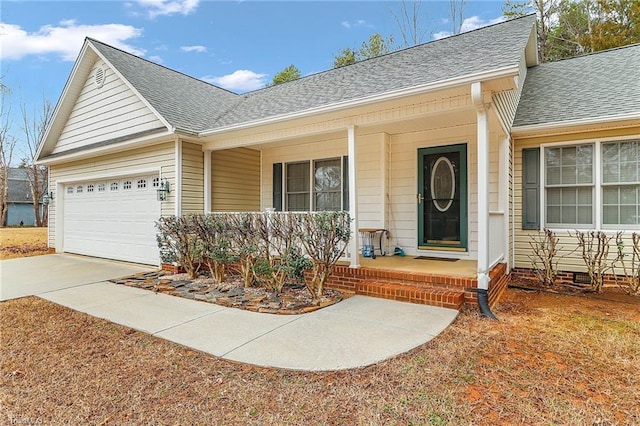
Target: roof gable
<point>105,108</point>
<point>603,84</point>
<point>187,103</point>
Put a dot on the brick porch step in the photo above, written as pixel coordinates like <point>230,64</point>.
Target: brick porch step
<point>444,297</point>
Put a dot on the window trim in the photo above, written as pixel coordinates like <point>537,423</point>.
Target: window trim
<point>311,190</point>
<point>597,185</point>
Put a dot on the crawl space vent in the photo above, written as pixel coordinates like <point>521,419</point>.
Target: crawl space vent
<point>581,278</point>
<point>100,76</point>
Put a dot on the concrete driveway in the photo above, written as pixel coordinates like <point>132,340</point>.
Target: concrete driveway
<point>356,332</point>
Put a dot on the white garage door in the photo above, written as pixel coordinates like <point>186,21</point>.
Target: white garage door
<point>114,219</point>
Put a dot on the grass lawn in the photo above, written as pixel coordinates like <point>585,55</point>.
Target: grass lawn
<point>550,360</point>
<point>22,242</point>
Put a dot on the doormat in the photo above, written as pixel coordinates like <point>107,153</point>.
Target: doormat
<point>442,259</point>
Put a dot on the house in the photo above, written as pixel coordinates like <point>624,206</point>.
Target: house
<point>421,142</point>
<point>20,202</point>
<point>576,151</point>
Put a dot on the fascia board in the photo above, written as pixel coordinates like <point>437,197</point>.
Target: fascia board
<point>63,98</point>
<point>558,125</point>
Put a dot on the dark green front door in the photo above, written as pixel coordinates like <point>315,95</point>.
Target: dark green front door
<point>442,198</point>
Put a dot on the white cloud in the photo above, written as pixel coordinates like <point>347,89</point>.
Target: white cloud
<point>357,23</point>
<point>64,40</point>
<point>240,80</point>
<point>157,8</point>
<point>469,24</point>
<point>157,59</point>
<point>199,49</point>
<point>475,22</point>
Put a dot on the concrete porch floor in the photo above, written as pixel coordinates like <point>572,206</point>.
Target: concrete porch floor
<point>459,268</point>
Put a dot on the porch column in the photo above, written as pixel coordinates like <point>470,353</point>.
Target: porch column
<point>505,191</point>
<point>354,248</point>
<point>483,184</point>
<point>207,181</point>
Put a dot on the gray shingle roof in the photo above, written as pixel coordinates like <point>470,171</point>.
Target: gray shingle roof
<point>591,86</point>
<point>193,105</point>
<point>185,102</point>
<point>19,189</point>
<point>485,49</point>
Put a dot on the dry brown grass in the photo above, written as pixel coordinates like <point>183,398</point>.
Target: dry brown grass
<point>550,360</point>
<point>22,242</point>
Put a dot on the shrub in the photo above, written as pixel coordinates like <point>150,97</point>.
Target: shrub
<point>594,247</point>
<point>543,259</point>
<point>213,231</point>
<point>179,243</point>
<point>324,236</point>
<point>630,277</point>
<point>244,241</point>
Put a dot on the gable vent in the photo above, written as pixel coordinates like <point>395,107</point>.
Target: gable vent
<point>100,76</point>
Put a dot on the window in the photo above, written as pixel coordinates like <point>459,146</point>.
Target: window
<point>126,184</point>
<point>621,183</point>
<point>102,187</point>
<point>319,185</point>
<point>156,182</point>
<point>90,188</point>
<point>327,190</point>
<point>78,189</point>
<point>114,186</point>
<point>572,186</point>
<point>569,185</point>
<point>69,189</point>
<point>142,183</point>
<point>297,184</point>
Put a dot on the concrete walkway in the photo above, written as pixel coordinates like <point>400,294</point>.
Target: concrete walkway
<point>356,332</point>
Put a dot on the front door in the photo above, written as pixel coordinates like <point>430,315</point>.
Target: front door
<point>442,198</point>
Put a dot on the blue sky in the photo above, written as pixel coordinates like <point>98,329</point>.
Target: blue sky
<point>238,45</point>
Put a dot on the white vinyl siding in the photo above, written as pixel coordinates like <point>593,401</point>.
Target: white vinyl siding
<point>235,180</point>
<point>105,113</point>
<point>192,178</point>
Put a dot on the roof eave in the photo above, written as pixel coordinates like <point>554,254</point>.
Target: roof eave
<point>533,129</point>
<point>508,71</point>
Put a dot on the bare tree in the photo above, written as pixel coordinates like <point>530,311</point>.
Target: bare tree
<point>34,127</point>
<point>410,23</point>
<point>7,145</point>
<point>456,10</point>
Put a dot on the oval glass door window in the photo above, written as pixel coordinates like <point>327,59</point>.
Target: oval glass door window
<point>443,186</point>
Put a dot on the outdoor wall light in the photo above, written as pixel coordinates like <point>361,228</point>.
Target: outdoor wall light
<point>163,190</point>
<point>47,198</point>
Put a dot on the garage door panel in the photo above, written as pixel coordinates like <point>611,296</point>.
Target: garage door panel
<point>116,220</point>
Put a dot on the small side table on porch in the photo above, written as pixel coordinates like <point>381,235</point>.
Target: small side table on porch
<point>368,238</point>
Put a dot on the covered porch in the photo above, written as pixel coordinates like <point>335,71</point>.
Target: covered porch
<point>377,162</point>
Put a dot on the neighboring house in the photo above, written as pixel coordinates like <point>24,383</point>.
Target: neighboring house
<point>20,209</point>
<point>419,142</point>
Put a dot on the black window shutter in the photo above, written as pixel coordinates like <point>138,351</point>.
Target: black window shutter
<point>531,188</point>
<point>345,183</point>
<point>277,186</point>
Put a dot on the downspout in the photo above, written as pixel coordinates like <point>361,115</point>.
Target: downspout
<point>483,199</point>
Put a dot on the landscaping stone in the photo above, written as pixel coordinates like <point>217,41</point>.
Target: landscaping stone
<point>294,299</point>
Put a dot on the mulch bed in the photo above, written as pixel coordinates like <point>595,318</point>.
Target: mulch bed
<point>609,292</point>
<point>294,298</point>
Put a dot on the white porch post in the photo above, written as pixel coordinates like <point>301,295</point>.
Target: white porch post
<point>207,181</point>
<point>354,248</point>
<point>505,191</point>
<point>483,185</point>
<point>178,177</point>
